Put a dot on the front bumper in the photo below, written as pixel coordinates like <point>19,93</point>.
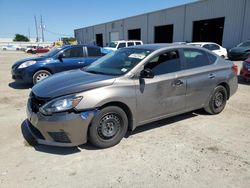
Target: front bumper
<point>60,129</point>
<point>22,75</point>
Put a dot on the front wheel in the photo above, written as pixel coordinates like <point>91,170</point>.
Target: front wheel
<point>40,75</point>
<point>218,101</point>
<point>108,127</point>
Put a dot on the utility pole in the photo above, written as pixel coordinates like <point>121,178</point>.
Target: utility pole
<point>29,33</point>
<point>42,28</point>
<point>37,38</point>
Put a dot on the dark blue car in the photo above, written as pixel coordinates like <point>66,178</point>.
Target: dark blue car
<point>33,70</point>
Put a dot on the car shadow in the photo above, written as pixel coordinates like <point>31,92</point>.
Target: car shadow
<point>57,150</point>
<point>242,81</point>
<point>18,85</point>
<point>165,122</point>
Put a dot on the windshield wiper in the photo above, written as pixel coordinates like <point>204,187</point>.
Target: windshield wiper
<point>96,72</point>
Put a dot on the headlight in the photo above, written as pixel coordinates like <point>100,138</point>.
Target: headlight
<point>26,64</point>
<point>60,104</point>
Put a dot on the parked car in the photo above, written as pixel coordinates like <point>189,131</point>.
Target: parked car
<point>240,52</point>
<point>125,89</point>
<point>35,69</point>
<point>30,48</point>
<point>216,48</point>
<point>9,48</point>
<point>39,49</point>
<point>245,70</point>
<point>114,45</point>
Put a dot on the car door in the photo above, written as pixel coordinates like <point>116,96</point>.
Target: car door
<point>200,76</point>
<point>164,94</point>
<point>72,58</point>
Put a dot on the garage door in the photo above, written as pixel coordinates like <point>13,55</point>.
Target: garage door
<point>113,36</point>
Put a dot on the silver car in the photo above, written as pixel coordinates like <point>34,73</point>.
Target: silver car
<point>126,89</point>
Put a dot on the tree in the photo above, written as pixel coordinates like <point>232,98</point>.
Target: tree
<point>21,38</point>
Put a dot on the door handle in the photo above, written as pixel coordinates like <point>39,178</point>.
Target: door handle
<point>178,83</point>
<point>211,76</point>
<point>81,62</point>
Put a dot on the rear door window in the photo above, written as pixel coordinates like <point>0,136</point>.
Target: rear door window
<point>137,43</point>
<point>74,52</point>
<point>195,58</point>
<point>93,51</point>
<point>130,43</point>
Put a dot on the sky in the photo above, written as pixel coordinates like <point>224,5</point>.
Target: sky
<point>61,17</point>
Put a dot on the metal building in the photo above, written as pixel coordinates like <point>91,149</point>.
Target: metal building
<point>226,22</point>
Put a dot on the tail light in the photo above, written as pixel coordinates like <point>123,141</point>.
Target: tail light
<point>235,69</point>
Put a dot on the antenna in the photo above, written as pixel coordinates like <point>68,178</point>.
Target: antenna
<point>37,38</point>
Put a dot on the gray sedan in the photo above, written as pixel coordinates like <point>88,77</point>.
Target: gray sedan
<point>126,89</point>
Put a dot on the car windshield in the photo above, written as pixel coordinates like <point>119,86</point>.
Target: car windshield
<point>119,62</point>
<point>244,44</point>
<point>52,52</point>
<point>112,44</point>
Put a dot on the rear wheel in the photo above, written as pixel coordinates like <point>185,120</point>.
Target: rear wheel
<point>108,127</point>
<point>218,100</point>
<point>40,75</point>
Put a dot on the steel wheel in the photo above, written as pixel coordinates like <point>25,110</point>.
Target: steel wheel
<point>218,100</point>
<point>40,75</point>
<point>108,127</point>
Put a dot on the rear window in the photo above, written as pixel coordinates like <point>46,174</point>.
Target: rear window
<point>137,43</point>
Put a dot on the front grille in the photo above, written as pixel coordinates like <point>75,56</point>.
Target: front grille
<point>35,131</point>
<point>59,137</point>
<point>36,102</point>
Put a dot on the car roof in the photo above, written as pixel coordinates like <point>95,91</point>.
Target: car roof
<point>126,41</point>
<point>157,46</point>
<point>202,43</point>
<point>79,45</point>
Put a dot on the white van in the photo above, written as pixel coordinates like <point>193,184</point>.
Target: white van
<point>114,45</point>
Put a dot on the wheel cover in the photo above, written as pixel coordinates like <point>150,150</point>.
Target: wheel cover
<point>109,126</point>
<point>218,99</point>
<point>41,76</point>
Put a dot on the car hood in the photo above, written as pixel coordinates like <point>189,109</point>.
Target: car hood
<point>239,49</point>
<point>29,59</point>
<point>70,82</point>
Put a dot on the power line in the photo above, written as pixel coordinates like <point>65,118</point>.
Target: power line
<point>55,33</point>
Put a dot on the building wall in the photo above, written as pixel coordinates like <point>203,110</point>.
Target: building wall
<point>246,25</point>
<point>232,10</point>
<point>236,26</point>
<point>173,16</point>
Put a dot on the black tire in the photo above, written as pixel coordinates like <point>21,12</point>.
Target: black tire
<point>108,127</point>
<point>218,101</point>
<point>40,75</point>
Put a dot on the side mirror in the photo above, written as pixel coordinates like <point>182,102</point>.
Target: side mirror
<point>61,56</point>
<point>147,73</point>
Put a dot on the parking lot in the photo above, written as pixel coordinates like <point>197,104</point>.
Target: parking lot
<point>190,150</point>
